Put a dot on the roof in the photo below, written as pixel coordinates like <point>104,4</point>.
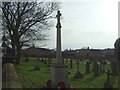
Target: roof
<point>42,49</point>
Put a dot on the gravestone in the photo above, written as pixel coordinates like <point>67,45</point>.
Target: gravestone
<point>49,62</point>
<point>96,69</point>
<point>69,73</point>
<point>59,71</point>
<point>93,66</point>
<point>71,63</point>
<point>114,68</point>
<point>63,61</point>
<point>36,68</point>
<point>66,60</point>
<point>87,67</point>
<point>78,74</point>
<point>117,54</point>
<point>42,60</point>
<point>107,84</point>
<point>102,67</point>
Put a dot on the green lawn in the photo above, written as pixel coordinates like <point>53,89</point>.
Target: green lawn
<point>37,79</point>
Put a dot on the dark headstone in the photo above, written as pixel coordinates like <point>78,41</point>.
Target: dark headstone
<point>93,66</point>
<point>114,68</point>
<point>66,60</point>
<point>96,69</point>
<point>36,68</point>
<point>117,55</point>
<point>63,61</point>
<point>71,63</point>
<point>87,67</point>
<point>42,60</point>
<point>105,62</point>
<point>117,49</point>
<point>102,67</point>
<point>69,73</point>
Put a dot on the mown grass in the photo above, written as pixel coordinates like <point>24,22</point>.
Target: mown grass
<point>38,78</point>
<point>32,79</point>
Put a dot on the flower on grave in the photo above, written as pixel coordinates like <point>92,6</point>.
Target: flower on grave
<point>61,85</point>
<point>48,84</point>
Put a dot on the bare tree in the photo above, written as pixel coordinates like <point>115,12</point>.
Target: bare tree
<point>24,21</point>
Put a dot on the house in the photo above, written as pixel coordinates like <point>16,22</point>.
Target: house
<point>96,54</point>
<point>37,52</point>
<point>88,53</point>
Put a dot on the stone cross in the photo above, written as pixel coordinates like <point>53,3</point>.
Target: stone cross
<point>58,51</point>
<point>108,75</point>
<point>59,71</point>
<point>107,84</point>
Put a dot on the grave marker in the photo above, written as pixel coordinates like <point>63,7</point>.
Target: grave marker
<point>87,67</point>
<point>67,60</point>
<point>96,69</point>
<point>102,67</point>
<point>107,84</point>
<point>71,63</point>
<point>78,73</point>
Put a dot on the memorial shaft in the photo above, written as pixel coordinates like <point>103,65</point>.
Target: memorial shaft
<point>58,50</point>
<point>59,71</point>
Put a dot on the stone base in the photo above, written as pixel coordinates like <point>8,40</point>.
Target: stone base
<point>59,73</point>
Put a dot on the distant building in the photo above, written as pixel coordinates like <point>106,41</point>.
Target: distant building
<point>108,53</point>
<point>68,53</point>
<point>88,53</point>
<point>95,54</point>
<point>37,52</point>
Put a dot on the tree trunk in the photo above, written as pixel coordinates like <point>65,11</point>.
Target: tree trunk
<point>13,50</point>
<point>18,55</point>
<point>18,49</point>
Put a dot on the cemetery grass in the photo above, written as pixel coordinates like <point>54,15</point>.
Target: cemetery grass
<point>38,78</point>
<point>30,78</point>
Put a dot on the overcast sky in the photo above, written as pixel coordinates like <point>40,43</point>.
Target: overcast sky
<point>92,23</point>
